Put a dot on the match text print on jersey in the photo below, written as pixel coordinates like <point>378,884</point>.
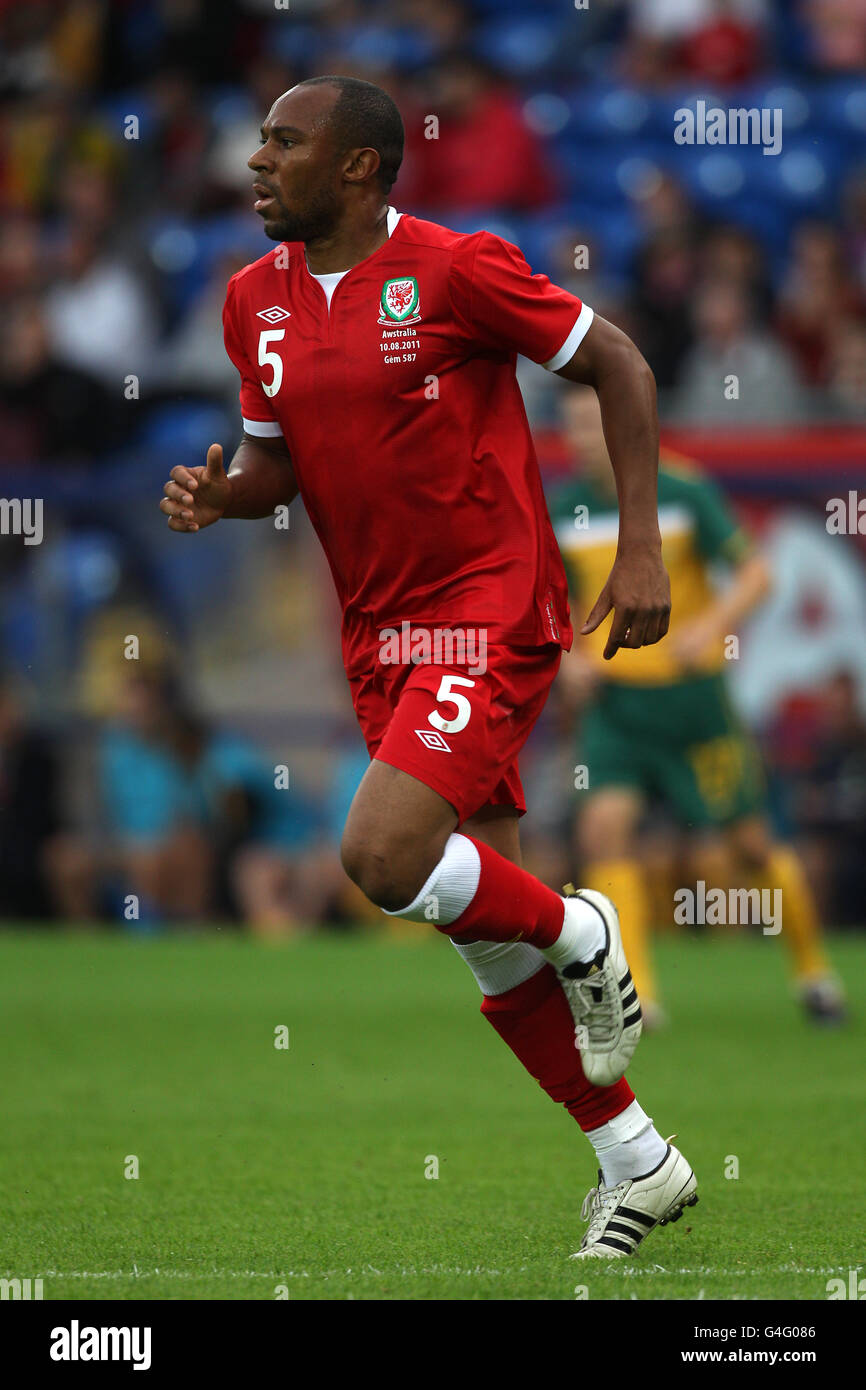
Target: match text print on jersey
<point>434,646</point>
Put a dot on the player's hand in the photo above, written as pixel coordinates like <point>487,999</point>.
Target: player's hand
<point>639,592</point>
<point>693,642</point>
<point>197,497</point>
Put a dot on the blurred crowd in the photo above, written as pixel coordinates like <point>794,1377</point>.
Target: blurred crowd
<point>125,129</point>
<point>125,126</point>
<point>191,823</point>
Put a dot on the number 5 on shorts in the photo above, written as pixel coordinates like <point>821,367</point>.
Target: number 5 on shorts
<point>446,695</point>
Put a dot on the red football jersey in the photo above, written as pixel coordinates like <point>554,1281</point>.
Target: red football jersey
<point>406,427</point>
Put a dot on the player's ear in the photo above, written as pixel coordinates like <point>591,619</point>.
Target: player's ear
<point>361,165</point>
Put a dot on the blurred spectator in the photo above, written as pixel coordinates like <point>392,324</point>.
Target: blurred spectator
<point>29,811</point>
<point>714,41</point>
<point>816,294</point>
<point>836,34</point>
<point>197,825</point>
<point>51,411</point>
<point>51,142</point>
<point>663,296</point>
<point>854,208</point>
<point>845,397</point>
<point>100,313</point>
<point>265,835</point>
<point>732,354</point>
<point>728,252</point>
<point>827,793</point>
<point>169,163</point>
<point>237,128</point>
<point>21,262</point>
<point>153,807</point>
<point>485,156</point>
<point>187,361</point>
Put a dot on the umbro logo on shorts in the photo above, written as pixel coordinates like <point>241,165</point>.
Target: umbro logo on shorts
<point>273,315</point>
<point>431,739</point>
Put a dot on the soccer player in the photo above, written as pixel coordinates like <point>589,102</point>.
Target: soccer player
<point>660,723</point>
<point>377,355</point>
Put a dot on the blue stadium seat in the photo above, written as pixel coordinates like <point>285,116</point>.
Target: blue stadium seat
<point>609,113</point>
<point>606,174</point>
<point>615,232</point>
<point>841,108</point>
<point>520,46</point>
<point>191,425</point>
<point>184,252</point>
<point>115,108</point>
<point>796,101</point>
<point>497,8</point>
<point>804,177</point>
<point>769,222</point>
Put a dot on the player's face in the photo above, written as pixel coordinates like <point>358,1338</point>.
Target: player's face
<point>296,167</point>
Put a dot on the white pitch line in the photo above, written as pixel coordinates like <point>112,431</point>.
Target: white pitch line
<point>413,1272</point>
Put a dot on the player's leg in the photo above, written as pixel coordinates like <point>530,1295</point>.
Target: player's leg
<point>766,863</point>
<point>614,756</point>
<point>722,794</point>
<point>402,847</point>
<point>398,821</point>
<point>261,879</point>
<point>525,1003</point>
<point>605,830</point>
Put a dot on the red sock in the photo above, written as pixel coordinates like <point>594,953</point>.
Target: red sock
<point>535,1021</point>
<point>508,902</point>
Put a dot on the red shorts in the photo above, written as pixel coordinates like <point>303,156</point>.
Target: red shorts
<point>456,729</point>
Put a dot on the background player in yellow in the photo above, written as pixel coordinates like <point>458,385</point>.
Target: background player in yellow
<point>659,723</point>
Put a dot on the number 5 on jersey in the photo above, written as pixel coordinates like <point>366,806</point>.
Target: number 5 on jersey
<point>445,695</point>
<point>271,359</point>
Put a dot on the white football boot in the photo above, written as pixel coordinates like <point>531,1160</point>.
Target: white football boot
<point>602,999</point>
<point>621,1217</point>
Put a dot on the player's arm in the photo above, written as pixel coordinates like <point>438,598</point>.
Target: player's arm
<point>751,582</point>
<point>260,478</point>
<point>637,589</point>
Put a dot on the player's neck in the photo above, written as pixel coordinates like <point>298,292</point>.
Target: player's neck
<point>356,238</point>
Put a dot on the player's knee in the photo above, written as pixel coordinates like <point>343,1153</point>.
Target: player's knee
<point>380,877</point>
<point>751,843</point>
<point>605,837</point>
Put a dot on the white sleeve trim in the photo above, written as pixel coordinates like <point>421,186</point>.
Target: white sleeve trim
<point>573,341</point>
<point>265,429</point>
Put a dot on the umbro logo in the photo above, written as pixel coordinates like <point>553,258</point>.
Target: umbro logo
<point>431,739</point>
<point>274,314</point>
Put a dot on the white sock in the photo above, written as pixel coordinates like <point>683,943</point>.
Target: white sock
<point>450,888</point>
<point>628,1146</point>
<point>582,936</point>
<point>500,965</point>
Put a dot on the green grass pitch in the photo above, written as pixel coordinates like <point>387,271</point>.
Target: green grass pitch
<point>264,1169</point>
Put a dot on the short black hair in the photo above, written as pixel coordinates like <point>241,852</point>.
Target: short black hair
<point>365,117</point>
